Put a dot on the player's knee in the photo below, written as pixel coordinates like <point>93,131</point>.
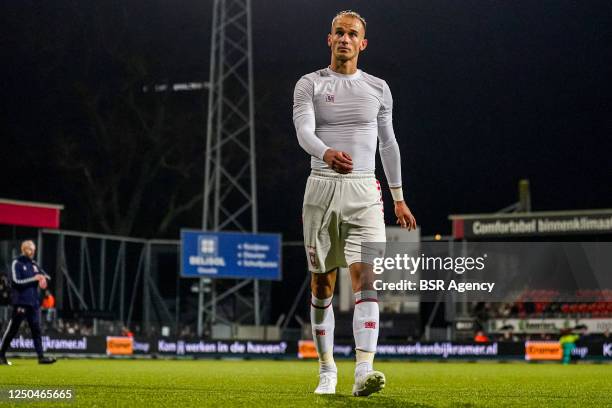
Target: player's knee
<point>362,276</point>
<point>322,290</point>
<point>35,331</point>
<point>322,285</point>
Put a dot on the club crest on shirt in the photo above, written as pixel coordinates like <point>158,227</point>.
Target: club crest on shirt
<point>329,98</point>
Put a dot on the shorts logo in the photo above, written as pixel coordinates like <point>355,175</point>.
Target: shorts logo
<point>380,197</point>
<point>312,257</point>
<point>329,98</point>
<point>319,332</point>
<point>370,325</point>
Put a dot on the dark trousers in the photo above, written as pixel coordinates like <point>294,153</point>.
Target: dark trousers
<point>32,315</point>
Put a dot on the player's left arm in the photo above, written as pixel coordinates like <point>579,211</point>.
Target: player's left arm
<point>391,160</point>
<point>42,271</point>
<point>42,283</point>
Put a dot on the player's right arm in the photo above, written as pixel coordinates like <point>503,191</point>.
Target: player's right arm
<point>305,124</point>
<point>19,277</point>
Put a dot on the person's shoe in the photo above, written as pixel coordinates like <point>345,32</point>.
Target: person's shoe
<point>327,383</point>
<point>369,383</point>
<point>46,360</point>
<point>4,361</point>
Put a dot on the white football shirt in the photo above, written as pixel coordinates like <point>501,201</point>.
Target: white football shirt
<point>347,113</point>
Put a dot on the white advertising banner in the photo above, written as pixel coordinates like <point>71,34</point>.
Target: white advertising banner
<point>550,325</point>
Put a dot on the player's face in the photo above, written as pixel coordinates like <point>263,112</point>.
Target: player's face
<point>28,250</point>
<point>347,38</point>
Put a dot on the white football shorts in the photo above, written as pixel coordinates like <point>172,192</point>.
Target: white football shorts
<point>342,213</point>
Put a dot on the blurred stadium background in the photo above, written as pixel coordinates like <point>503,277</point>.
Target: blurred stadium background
<point>137,129</point>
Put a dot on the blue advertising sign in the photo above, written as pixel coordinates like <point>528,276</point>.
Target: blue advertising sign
<point>232,255</point>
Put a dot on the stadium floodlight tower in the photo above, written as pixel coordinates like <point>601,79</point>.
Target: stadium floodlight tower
<point>230,190</point>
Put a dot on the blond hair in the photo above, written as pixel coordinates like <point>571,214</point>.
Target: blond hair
<point>349,13</point>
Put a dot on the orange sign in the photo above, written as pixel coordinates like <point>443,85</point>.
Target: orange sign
<point>307,349</point>
<point>119,346</point>
<point>543,350</point>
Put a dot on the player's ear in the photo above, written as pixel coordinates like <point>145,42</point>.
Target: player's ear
<point>364,44</point>
<point>329,40</point>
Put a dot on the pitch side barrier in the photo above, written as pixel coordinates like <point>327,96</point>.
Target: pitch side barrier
<point>82,346</point>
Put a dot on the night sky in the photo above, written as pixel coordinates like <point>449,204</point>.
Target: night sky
<point>485,92</point>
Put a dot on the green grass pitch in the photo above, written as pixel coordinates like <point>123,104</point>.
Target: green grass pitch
<point>273,384</point>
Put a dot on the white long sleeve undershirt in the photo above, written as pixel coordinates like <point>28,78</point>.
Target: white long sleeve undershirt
<point>347,113</point>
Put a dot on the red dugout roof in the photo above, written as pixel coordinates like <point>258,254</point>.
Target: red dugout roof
<point>30,214</point>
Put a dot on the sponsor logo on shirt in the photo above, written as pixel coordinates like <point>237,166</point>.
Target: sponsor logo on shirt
<point>370,325</point>
<point>329,98</point>
<point>320,332</point>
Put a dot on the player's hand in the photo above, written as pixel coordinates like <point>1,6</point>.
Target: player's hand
<point>340,162</point>
<point>42,283</point>
<point>404,216</point>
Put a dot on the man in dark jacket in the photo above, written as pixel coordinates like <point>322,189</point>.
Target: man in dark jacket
<point>26,278</point>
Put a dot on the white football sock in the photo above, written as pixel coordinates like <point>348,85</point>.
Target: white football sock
<point>364,362</point>
<point>323,324</point>
<point>365,329</point>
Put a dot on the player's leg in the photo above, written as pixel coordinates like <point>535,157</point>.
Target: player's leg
<point>364,227</point>
<point>365,330</point>
<point>33,317</point>
<point>323,325</point>
<point>320,242</point>
<point>17,317</point>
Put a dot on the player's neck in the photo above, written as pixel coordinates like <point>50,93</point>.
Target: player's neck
<point>348,67</point>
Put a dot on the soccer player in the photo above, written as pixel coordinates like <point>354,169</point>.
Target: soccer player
<point>339,113</point>
<point>26,278</point>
